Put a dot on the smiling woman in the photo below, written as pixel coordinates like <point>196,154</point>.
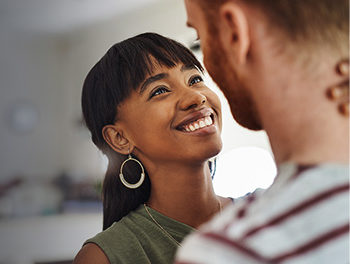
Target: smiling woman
<point>149,111</point>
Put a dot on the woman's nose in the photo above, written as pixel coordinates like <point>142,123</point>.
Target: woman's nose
<point>192,99</point>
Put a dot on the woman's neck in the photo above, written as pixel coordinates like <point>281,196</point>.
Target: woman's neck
<point>184,193</point>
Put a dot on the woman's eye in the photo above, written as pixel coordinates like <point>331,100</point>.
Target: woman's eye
<point>159,91</point>
<point>195,79</point>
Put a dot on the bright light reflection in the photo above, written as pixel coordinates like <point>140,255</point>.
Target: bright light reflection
<point>243,170</point>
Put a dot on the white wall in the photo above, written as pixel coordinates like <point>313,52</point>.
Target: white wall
<point>30,75</point>
<point>46,239</point>
<point>46,71</point>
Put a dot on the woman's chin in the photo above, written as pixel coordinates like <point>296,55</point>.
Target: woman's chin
<point>216,150</point>
<point>211,151</point>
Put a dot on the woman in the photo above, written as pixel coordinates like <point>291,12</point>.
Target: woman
<point>149,111</point>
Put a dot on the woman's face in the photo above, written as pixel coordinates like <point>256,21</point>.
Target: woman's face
<point>172,116</point>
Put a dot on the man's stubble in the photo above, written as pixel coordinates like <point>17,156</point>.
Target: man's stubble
<point>241,103</point>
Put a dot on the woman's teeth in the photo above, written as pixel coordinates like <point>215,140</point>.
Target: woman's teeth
<point>200,123</point>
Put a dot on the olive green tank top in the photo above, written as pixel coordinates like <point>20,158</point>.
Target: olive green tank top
<point>136,238</point>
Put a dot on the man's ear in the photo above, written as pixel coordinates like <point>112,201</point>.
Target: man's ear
<point>116,139</point>
<point>234,32</point>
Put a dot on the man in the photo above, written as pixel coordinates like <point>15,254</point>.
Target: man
<point>274,61</point>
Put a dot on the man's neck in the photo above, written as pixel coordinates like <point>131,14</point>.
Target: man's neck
<point>302,124</point>
<point>313,143</point>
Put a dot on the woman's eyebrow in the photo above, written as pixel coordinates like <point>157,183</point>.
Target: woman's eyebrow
<point>152,79</point>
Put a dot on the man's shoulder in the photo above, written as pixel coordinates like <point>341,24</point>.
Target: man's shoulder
<point>328,169</point>
<point>308,206</point>
<point>231,211</point>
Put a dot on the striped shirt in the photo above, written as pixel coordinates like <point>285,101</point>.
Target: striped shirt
<point>302,218</point>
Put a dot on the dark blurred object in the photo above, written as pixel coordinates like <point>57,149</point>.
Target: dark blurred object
<point>87,189</point>
<point>10,184</point>
<point>63,182</point>
<point>22,197</point>
<point>79,196</point>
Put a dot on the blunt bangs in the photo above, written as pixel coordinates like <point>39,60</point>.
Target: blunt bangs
<point>142,53</point>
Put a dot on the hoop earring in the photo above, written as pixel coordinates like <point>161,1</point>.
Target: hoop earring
<point>142,176</point>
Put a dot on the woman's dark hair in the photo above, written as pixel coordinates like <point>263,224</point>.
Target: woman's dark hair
<point>121,70</point>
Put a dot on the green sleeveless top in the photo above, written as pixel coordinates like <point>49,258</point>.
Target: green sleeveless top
<point>136,238</point>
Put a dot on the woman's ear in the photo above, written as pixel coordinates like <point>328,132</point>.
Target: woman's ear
<point>234,32</point>
<point>116,139</point>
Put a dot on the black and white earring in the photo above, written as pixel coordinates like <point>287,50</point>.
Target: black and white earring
<point>142,176</point>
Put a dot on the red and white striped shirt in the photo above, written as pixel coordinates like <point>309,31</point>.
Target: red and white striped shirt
<point>302,218</point>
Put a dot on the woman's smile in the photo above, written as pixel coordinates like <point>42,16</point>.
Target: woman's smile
<point>201,122</point>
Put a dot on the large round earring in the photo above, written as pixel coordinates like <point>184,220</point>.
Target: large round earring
<point>142,176</point>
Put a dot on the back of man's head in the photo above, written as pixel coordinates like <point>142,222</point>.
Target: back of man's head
<point>306,23</point>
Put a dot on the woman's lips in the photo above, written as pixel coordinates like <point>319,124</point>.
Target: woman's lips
<point>198,124</point>
<point>196,117</point>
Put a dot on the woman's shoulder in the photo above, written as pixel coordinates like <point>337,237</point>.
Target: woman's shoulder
<point>122,229</point>
<point>111,244</point>
<point>90,253</point>
<point>114,236</point>
<point>115,230</point>
<point>105,247</point>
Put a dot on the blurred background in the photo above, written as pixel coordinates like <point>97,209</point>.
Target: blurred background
<point>50,171</point>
